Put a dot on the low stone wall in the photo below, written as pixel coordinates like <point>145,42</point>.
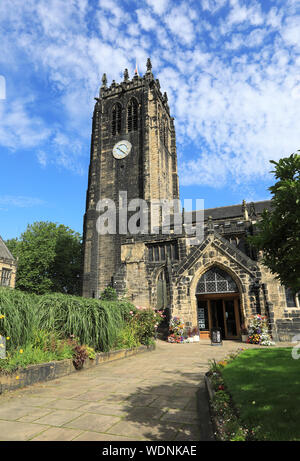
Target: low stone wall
<point>53,370</point>
<point>289,326</point>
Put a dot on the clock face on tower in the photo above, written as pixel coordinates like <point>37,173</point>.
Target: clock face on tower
<point>121,149</point>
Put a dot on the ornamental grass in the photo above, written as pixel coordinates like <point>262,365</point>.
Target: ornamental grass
<point>95,323</point>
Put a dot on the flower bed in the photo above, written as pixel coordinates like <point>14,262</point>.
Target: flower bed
<point>39,329</point>
<point>225,416</point>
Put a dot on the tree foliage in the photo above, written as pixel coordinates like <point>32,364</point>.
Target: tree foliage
<point>49,259</point>
<point>278,233</point>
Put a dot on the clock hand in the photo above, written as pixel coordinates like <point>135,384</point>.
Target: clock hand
<point>123,152</point>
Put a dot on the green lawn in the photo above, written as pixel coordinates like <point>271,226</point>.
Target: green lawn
<point>265,388</point>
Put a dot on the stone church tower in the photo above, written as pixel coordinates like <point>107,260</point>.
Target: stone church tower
<point>218,282</point>
<point>133,149</point>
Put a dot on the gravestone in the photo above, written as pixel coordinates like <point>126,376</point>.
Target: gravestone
<point>2,347</point>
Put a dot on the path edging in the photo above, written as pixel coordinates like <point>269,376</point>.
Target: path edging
<point>211,394</point>
<point>56,369</point>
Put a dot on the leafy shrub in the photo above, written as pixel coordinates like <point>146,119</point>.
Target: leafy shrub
<point>109,294</point>
<point>127,338</point>
<point>146,321</point>
<point>21,358</point>
<point>91,352</point>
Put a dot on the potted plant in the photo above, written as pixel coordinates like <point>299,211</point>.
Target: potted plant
<point>244,333</point>
<point>196,335</point>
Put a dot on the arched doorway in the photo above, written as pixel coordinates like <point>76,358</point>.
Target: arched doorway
<point>218,304</point>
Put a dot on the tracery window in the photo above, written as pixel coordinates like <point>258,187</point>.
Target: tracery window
<point>116,119</point>
<point>132,115</point>
<point>5,277</point>
<point>216,280</point>
<point>160,252</point>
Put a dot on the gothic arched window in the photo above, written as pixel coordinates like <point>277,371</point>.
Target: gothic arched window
<point>162,291</point>
<point>132,115</point>
<point>116,119</point>
<point>216,281</point>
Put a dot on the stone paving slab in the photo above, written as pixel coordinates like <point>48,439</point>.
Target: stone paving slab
<point>158,396</point>
<point>57,434</point>
<point>18,431</point>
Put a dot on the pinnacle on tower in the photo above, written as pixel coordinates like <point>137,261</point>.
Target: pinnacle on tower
<point>149,65</point>
<point>126,75</point>
<point>104,81</point>
<point>245,210</point>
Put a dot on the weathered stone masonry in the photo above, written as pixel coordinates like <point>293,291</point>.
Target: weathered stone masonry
<point>164,270</point>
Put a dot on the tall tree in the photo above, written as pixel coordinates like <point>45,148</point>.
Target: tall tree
<point>278,233</point>
<point>49,259</point>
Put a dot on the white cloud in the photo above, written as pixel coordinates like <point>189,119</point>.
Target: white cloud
<point>146,20</point>
<point>290,31</point>
<point>232,78</point>
<point>18,128</point>
<point>243,14</point>
<point>213,5</point>
<point>159,6</point>
<point>179,23</point>
<point>20,201</point>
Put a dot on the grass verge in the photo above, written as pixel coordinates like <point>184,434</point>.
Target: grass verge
<point>264,385</point>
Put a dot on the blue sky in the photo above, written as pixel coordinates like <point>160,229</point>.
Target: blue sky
<point>231,69</point>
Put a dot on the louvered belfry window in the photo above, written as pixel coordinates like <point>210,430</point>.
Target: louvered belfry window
<point>116,119</point>
<point>132,115</point>
<point>216,280</point>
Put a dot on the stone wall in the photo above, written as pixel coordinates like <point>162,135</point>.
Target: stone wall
<point>135,278</point>
<point>185,282</point>
<point>10,265</point>
<point>289,325</point>
<point>148,172</point>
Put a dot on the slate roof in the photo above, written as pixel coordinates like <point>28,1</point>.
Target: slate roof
<point>233,211</point>
<point>4,252</point>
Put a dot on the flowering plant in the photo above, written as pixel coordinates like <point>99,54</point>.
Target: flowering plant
<point>146,321</point>
<point>258,332</point>
<point>177,331</point>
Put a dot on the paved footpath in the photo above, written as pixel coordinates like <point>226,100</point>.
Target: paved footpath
<point>151,396</point>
